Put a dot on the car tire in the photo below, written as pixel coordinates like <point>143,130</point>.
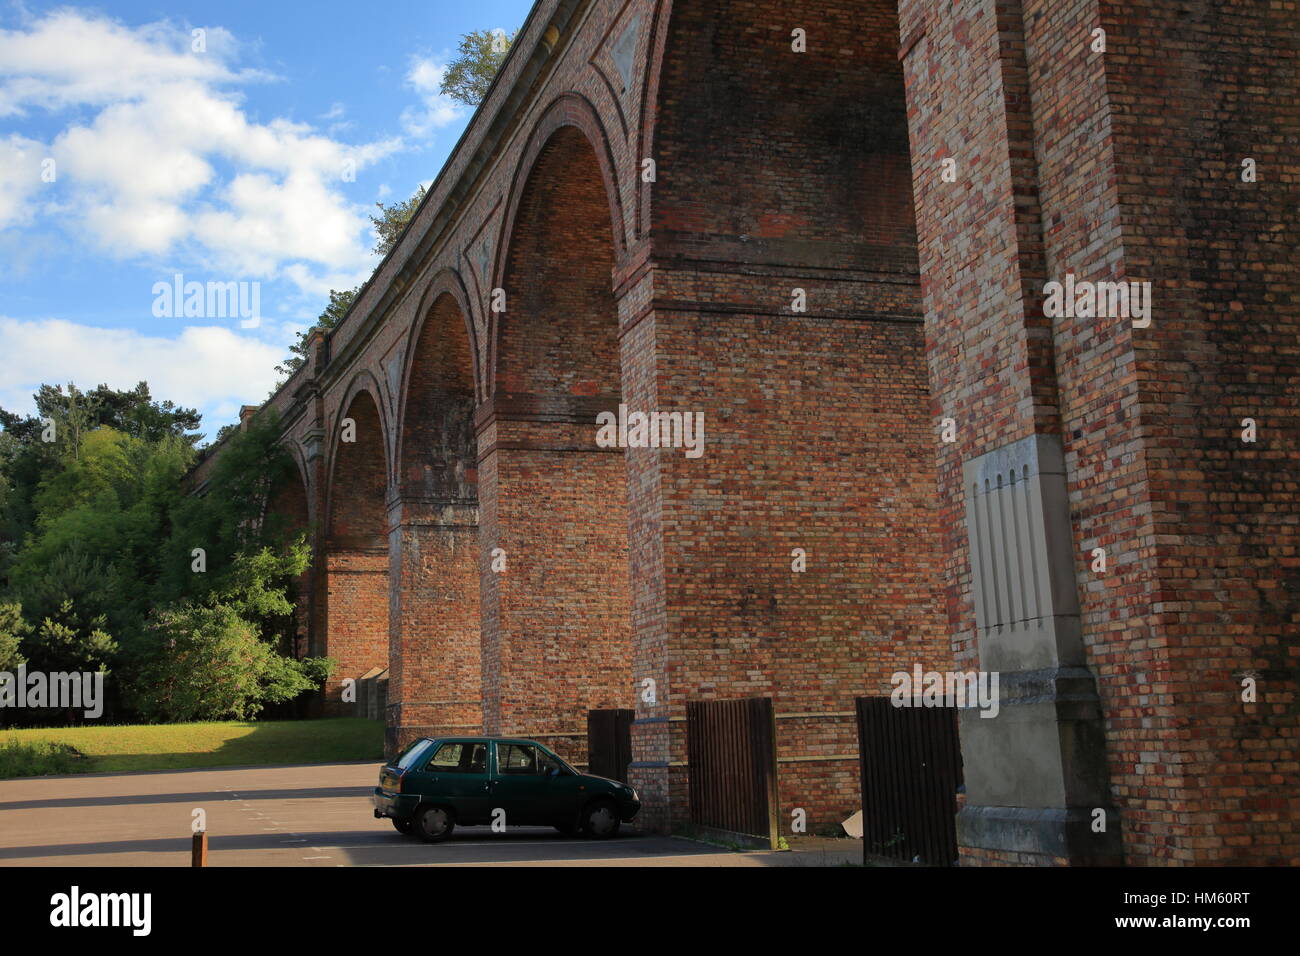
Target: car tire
<point>600,819</point>
<point>403,827</point>
<point>433,824</point>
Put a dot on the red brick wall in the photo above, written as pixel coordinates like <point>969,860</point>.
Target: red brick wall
<point>434,664</point>
<point>1191,95</point>
<point>761,147</point>
<point>356,553</point>
<point>1125,165</point>
<point>556,624</point>
<point>780,170</point>
<point>980,243</point>
<point>357,638</point>
<point>433,656</point>
<point>834,463</point>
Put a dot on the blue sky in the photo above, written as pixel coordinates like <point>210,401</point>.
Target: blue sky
<point>133,150</point>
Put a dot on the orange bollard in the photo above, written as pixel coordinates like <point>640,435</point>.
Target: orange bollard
<point>199,851</point>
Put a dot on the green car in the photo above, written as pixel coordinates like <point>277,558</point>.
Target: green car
<point>436,784</point>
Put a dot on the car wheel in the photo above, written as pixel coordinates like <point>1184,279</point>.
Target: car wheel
<point>600,820</point>
<point>433,824</point>
<point>402,826</point>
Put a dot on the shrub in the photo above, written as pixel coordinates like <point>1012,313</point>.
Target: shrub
<point>36,759</point>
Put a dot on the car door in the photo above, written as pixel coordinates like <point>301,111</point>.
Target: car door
<point>458,773</point>
<point>520,785</point>
<point>566,790</point>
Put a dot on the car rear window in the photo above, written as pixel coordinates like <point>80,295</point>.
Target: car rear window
<point>413,753</point>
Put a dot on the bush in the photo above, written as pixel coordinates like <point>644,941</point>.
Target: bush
<point>211,664</point>
<point>12,630</point>
<point>34,760</point>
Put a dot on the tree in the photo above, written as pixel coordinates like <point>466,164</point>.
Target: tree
<point>28,462</point>
<point>469,76</point>
<point>99,523</point>
<point>12,630</point>
<point>135,413</point>
<point>232,517</point>
<point>75,413</point>
<point>212,660</point>
<point>72,642</point>
<point>393,219</point>
<point>100,537</point>
<point>339,304</point>
<point>212,664</point>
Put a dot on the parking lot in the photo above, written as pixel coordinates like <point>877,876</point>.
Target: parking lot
<point>316,815</point>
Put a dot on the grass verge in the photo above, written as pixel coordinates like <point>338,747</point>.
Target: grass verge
<point>36,751</point>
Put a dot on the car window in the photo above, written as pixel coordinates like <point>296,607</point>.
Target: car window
<point>447,758</point>
<point>459,757</point>
<point>517,758</point>
<point>413,753</point>
<point>546,763</point>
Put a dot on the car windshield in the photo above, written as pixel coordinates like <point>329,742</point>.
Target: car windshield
<point>560,760</point>
<point>412,753</point>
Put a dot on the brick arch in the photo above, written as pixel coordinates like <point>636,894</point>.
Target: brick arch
<point>434,663</point>
<point>569,110</point>
<point>354,556</point>
<point>554,502</point>
<point>559,333</point>
<point>778,171</point>
<point>291,496</point>
<point>435,439</point>
<point>832,119</point>
<point>447,287</point>
<point>363,383</point>
<point>647,121</point>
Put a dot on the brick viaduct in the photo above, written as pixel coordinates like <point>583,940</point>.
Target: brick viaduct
<point>512,574</point>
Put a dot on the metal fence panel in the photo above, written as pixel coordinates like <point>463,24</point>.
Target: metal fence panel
<point>609,743</point>
<point>911,769</point>
<point>731,749</point>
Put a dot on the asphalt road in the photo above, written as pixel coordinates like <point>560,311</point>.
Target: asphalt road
<point>318,815</point>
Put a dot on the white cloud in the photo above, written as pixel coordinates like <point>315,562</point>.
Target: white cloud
<point>436,110</point>
<point>211,368</point>
<point>334,116</point>
<point>20,178</point>
<point>69,58</point>
<point>170,160</point>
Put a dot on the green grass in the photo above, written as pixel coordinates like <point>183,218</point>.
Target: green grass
<point>95,749</point>
<point>18,759</point>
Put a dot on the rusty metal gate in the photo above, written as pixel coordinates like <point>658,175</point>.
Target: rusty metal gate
<point>731,749</point>
<point>609,743</point>
<point>911,769</point>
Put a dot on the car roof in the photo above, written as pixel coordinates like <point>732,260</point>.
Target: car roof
<point>483,738</point>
